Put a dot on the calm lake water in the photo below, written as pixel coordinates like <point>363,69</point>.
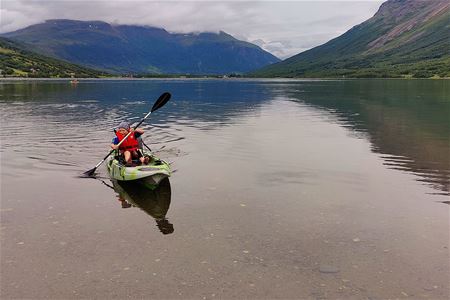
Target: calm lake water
<point>282,189</point>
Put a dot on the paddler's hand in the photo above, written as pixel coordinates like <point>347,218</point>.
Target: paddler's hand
<point>114,147</point>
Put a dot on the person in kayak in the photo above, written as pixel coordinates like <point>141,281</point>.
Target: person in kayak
<point>130,147</point>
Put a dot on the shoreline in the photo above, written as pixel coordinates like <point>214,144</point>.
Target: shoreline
<point>206,78</point>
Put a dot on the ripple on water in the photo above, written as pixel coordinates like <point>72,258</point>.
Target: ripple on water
<point>436,177</point>
<point>56,136</point>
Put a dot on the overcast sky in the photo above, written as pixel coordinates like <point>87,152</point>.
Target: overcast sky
<point>283,28</point>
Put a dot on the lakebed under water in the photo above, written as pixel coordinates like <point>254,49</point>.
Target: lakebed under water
<point>282,189</point>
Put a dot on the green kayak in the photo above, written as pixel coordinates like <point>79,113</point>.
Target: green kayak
<point>150,174</point>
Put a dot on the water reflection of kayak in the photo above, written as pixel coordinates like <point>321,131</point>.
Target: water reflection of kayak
<point>154,202</point>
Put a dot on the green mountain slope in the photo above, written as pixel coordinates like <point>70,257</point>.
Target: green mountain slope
<point>18,62</point>
<point>404,38</point>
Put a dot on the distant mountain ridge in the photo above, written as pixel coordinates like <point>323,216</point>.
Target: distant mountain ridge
<point>142,49</point>
<point>404,38</point>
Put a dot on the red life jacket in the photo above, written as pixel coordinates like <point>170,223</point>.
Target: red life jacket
<point>130,144</point>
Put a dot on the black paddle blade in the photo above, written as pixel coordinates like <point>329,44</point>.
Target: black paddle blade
<point>89,173</point>
<point>161,101</point>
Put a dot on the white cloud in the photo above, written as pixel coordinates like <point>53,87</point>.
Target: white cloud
<point>283,28</point>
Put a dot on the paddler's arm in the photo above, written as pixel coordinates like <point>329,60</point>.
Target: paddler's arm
<point>137,132</point>
<point>140,131</point>
<point>114,143</point>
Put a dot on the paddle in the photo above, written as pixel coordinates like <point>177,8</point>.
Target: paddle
<point>162,100</point>
<point>146,146</point>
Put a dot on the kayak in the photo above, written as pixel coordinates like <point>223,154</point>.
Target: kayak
<point>150,174</point>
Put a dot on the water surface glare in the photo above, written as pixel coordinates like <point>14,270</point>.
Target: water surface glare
<point>282,189</point>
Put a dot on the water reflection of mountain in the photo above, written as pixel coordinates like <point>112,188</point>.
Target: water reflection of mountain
<point>212,102</point>
<point>155,202</point>
<point>100,105</point>
<point>406,121</point>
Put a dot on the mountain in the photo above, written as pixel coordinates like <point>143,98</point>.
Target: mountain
<point>15,61</point>
<point>138,49</point>
<point>404,38</point>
